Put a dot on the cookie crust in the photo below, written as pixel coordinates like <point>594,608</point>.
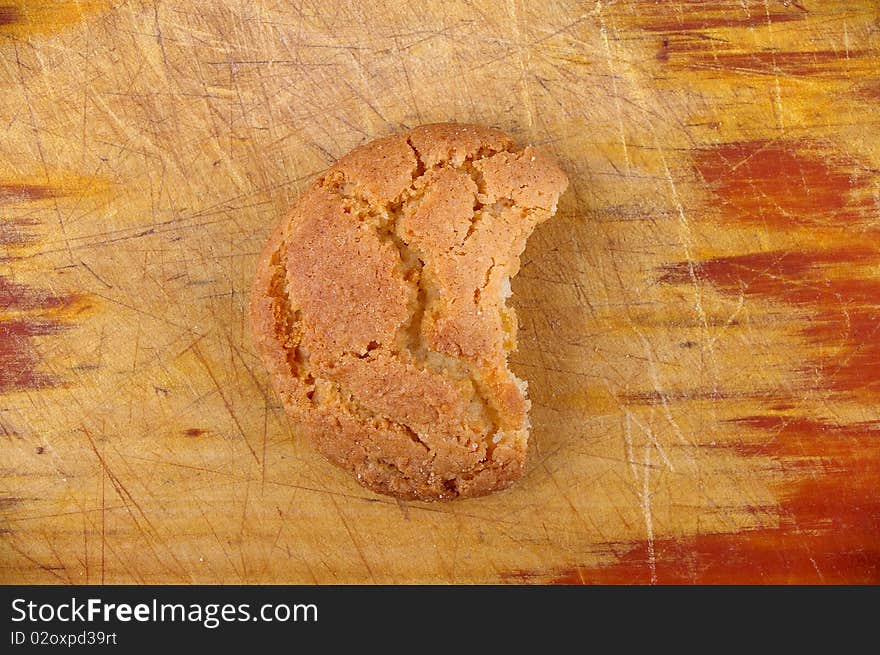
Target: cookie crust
<point>379,309</point>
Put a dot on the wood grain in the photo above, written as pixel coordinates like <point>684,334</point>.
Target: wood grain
<point>700,324</point>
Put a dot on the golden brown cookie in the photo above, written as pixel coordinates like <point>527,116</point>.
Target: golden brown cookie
<point>380,309</point>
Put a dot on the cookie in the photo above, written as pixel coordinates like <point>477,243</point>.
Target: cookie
<point>380,309</point>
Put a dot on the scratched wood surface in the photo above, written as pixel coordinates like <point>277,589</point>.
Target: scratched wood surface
<point>700,324</point>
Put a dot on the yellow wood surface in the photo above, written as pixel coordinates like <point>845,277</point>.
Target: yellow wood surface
<point>148,149</point>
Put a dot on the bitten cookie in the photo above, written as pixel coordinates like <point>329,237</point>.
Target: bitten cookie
<point>379,308</point>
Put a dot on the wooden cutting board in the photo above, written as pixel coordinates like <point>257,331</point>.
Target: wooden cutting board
<point>700,325</point>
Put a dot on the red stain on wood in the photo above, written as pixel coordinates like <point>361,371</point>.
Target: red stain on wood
<point>871,91</point>
<point>750,557</point>
<point>24,191</point>
<point>194,432</point>
<point>789,184</point>
<point>692,51</point>
<point>693,47</point>
<point>15,233</point>
<point>844,308</point>
<point>14,296</point>
<point>25,18</point>
<point>855,364</point>
<point>670,21</point>
<point>828,513</point>
<point>828,518</point>
<point>798,277</point>
<point>656,397</point>
<point>28,313</point>
<point>829,508</point>
<point>695,15</point>
<point>799,438</point>
<point>777,62</point>
<point>781,184</point>
<point>57,185</point>
<point>8,14</point>
<point>19,361</point>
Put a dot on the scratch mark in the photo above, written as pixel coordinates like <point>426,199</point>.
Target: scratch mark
<point>219,542</point>
<point>103,526</point>
<point>43,567</point>
<point>777,88</point>
<point>610,58</point>
<point>646,430</point>
<point>226,402</point>
<point>126,498</point>
<point>354,541</point>
<point>658,386</point>
<point>95,275</point>
<point>85,532</point>
<point>686,240</point>
<point>61,566</point>
<point>646,510</point>
<point>522,55</point>
<point>628,443</point>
